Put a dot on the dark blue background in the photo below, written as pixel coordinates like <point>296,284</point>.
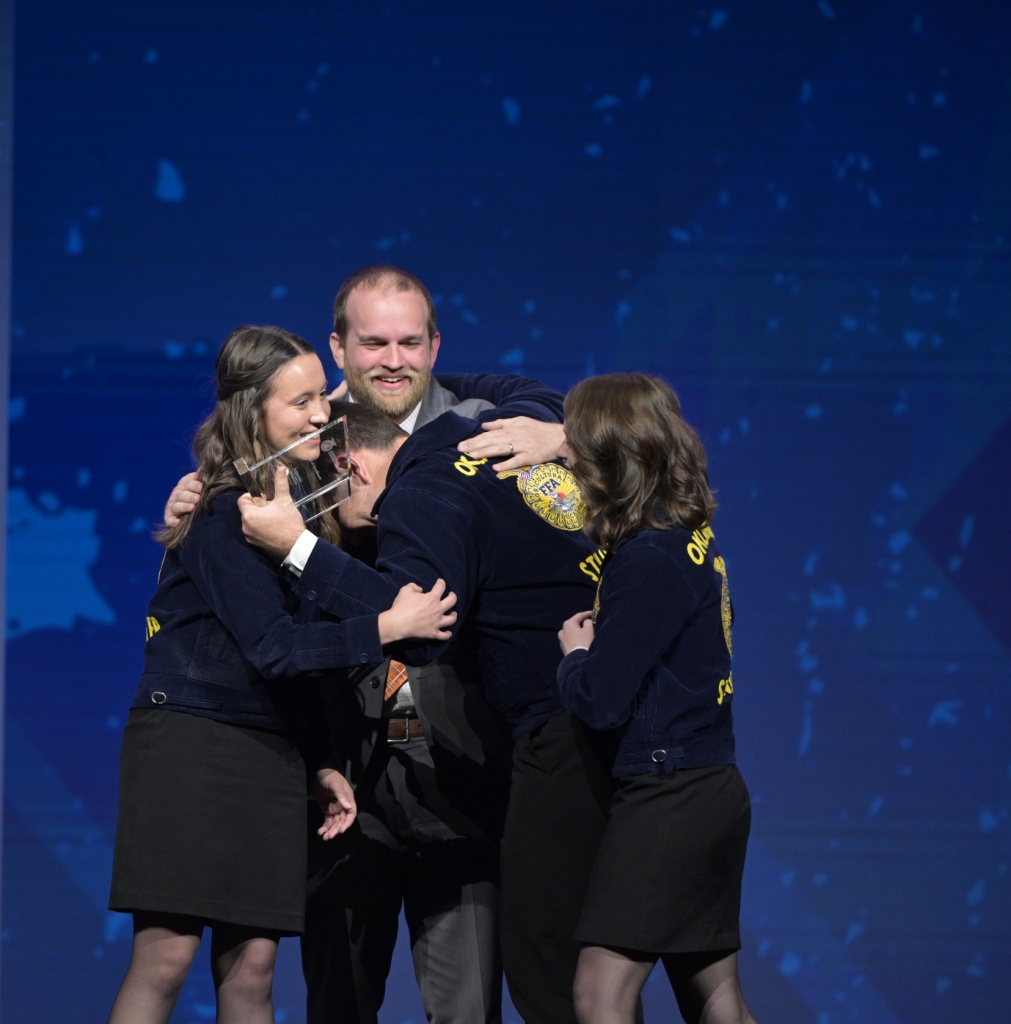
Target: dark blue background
<point>799,213</point>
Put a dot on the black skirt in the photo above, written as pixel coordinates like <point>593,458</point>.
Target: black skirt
<point>211,822</point>
<point>667,878</point>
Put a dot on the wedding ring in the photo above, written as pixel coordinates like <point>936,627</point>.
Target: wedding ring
<point>512,450</point>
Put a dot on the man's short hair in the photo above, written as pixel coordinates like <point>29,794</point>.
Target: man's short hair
<point>368,429</point>
<point>381,275</point>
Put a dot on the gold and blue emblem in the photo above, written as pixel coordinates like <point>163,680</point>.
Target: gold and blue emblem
<point>551,491</point>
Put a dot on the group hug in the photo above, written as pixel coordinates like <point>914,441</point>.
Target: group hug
<point>491,689</point>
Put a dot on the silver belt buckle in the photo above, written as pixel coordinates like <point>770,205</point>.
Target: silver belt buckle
<point>406,738</point>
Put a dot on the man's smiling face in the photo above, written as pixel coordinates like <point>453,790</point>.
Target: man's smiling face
<point>387,356</point>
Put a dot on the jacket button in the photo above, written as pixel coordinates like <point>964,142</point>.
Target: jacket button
<point>310,595</point>
<point>659,756</point>
<point>158,697</point>
<point>363,659</point>
<point>374,682</point>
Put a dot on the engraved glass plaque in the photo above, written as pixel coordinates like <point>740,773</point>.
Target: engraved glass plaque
<point>332,470</point>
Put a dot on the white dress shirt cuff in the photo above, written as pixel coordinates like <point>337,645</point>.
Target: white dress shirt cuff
<point>300,552</point>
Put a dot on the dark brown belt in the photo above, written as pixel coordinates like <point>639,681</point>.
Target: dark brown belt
<point>400,730</point>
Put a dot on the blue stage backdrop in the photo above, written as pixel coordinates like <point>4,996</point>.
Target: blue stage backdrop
<point>798,212</point>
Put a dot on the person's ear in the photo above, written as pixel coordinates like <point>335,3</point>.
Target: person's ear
<point>338,351</point>
<point>360,470</point>
<point>435,348</point>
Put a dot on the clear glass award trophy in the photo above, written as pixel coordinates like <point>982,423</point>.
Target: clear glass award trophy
<point>331,469</point>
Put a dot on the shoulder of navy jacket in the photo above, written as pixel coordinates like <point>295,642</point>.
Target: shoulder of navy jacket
<point>445,431</point>
<point>435,475</point>
<point>225,499</point>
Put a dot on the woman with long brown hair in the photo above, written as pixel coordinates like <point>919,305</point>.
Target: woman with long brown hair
<point>653,660</point>
<point>225,728</point>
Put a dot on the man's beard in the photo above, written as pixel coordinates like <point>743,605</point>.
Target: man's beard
<point>395,406</point>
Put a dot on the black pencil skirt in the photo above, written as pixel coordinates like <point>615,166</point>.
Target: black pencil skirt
<point>211,822</point>
<point>667,878</point>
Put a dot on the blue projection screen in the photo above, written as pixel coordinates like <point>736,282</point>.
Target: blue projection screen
<point>798,212</point>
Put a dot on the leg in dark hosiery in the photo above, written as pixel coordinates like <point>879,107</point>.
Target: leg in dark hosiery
<point>242,965</point>
<point>608,983</point>
<point>163,949</point>
<point>707,988</point>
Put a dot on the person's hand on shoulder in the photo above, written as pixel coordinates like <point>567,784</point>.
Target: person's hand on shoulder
<point>418,615</point>
<point>273,525</point>
<point>336,799</point>
<point>576,632</point>
<point>183,499</point>
<point>524,442</point>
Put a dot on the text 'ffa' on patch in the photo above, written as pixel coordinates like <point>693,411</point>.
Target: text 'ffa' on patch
<point>551,491</point>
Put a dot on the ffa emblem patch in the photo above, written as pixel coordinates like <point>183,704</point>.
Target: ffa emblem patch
<point>551,491</point>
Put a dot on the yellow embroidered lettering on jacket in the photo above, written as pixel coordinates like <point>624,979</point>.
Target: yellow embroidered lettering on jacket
<point>468,466</point>
<point>592,565</point>
<point>699,544</point>
<point>726,688</point>
<point>153,625</point>
<point>551,491</point>
<point>725,611</point>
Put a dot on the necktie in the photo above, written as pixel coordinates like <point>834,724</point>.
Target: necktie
<point>396,676</point>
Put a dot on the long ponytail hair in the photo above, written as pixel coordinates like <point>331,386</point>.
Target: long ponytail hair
<point>245,369</point>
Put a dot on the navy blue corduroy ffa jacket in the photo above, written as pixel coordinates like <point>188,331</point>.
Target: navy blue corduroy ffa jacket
<point>659,664</point>
<point>227,638</point>
<point>517,577</point>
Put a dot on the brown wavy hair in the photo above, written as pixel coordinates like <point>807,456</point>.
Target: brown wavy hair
<point>639,465</point>
<point>245,369</point>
